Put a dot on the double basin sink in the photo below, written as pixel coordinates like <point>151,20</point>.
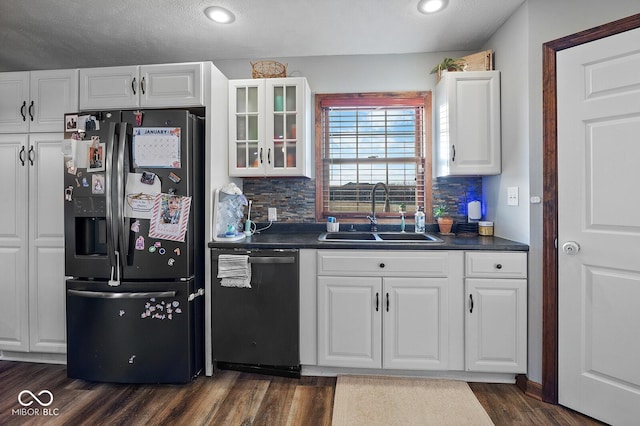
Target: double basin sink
<point>378,237</point>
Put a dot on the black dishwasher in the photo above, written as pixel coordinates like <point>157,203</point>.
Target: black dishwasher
<point>257,328</point>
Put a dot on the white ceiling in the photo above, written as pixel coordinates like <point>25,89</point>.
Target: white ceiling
<point>51,34</point>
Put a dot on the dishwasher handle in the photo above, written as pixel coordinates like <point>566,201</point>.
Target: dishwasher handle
<point>272,259</point>
<point>112,295</point>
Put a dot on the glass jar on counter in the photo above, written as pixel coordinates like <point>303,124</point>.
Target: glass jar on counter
<point>485,228</point>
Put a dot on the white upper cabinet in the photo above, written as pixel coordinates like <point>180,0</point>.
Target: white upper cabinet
<point>467,124</point>
<point>144,86</point>
<point>36,101</point>
<point>270,127</point>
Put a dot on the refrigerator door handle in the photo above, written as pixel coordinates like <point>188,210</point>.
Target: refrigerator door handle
<point>129,295</point>
<point>122,171</point>
<point>112,235</point>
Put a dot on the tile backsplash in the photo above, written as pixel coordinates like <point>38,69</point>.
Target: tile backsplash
<point>294,198</point>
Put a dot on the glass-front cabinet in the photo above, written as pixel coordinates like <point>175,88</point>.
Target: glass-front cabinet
<point>270,127</point>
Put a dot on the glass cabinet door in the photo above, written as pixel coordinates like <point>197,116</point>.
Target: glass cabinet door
<point>269,125</point>
<point>285,113</point>
<point>246,134</point>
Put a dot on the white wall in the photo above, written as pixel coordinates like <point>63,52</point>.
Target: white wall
<point>518,46</point>
<point>356,73</point>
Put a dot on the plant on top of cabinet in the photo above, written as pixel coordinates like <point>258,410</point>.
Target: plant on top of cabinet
<point>270,127</point>
<point>448,64</point>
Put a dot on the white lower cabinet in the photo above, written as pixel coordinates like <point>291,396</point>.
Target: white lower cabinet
<point>32,306</point>
<point>395,310</point>
<point>496,312</point>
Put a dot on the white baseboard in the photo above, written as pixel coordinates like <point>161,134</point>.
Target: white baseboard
<point>34,357</point>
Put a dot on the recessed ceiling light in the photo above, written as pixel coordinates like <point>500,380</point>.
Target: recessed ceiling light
<point>431,6</point>
<point>219,14</point>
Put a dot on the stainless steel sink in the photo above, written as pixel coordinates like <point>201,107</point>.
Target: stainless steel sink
<point>407,236</point>
<point>378,237</point>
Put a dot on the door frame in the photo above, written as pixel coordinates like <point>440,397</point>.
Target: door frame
<point>550,193</point>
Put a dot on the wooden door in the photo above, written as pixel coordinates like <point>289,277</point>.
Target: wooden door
<point>598,86</point>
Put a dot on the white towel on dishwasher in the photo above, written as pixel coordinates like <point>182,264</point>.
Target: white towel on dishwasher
<point>235,270</point>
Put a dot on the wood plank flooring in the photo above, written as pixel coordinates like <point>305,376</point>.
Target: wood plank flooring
<point>229,398</point>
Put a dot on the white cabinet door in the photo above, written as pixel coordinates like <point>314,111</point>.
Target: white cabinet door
<point>14,311</point>
<point>349,322</point>
<point>109,88</point>
<point>46,245</point>
<point>14,105</point>
<point>247,150</point>
<point>415,321</point>
<point>496,325</point>
<point>171,85</point>
<point>32,306</point>
<point>467,124</point>
<point>287,123</point>
<point>270,127</point>
<point>53,93</point>
<point>147,86</point>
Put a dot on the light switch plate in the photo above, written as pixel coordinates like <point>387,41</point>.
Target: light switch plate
<point>512,196</point>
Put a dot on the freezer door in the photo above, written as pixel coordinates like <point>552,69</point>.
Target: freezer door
<point>134,333</point>
<point>160,161</point>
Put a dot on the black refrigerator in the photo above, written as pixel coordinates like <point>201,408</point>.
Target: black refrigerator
<point>134,191</point>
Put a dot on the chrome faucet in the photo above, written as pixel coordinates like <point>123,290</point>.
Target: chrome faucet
<point>372,219</point>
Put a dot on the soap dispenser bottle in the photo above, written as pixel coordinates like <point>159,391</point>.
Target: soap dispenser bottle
<point>419,220</point>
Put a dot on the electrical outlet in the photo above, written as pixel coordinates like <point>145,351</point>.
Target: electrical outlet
<point>273,214</point>
<point>512,196</point>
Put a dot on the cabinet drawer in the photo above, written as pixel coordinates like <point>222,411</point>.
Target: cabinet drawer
<point>496,264</point>
<point>383,263</point>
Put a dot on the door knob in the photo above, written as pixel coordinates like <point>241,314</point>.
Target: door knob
<point>571,248</point>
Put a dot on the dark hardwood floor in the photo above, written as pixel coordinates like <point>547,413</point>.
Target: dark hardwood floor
<point>229,398</point>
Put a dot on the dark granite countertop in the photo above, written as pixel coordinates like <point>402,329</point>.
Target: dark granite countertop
<point>305,236</point>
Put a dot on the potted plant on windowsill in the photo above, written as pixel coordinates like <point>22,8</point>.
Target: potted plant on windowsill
<point>445,222</point>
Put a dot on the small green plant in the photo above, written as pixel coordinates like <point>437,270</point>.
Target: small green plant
<point>440,210</point>
<point>449,64</point>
